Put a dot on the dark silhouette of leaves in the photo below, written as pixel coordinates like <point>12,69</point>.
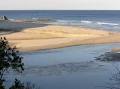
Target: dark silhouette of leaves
<point>9,59</point>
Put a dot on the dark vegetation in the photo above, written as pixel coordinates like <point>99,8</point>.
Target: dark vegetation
<point>10,59</point>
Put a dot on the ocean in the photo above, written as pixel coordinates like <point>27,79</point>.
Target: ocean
<point>109,20</point>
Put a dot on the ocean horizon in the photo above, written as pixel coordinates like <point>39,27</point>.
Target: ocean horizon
<point>102,19</point>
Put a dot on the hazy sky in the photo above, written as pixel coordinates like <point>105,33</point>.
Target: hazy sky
<point>59,4</point>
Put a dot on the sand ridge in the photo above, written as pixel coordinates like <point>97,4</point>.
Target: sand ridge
<point>48,37</point>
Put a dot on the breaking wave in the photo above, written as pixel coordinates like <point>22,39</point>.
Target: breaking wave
<point>110,24</point>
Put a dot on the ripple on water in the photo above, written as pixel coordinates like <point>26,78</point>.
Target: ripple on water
<point>66,68</point>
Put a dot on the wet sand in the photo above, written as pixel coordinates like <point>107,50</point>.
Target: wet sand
<point>48,37</point>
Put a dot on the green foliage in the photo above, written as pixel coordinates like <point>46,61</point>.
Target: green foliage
<point>9,58</point>
<point>1,84</point>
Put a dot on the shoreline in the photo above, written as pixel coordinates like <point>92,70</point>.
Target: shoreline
<point>52,37</point>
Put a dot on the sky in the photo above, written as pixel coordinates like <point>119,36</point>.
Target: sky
<point>59,4</point>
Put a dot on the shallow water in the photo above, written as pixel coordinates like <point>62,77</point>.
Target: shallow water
<point>69,68</point>
<point>18,26</point>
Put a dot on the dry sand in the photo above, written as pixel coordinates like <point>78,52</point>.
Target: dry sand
<point>49,37</point>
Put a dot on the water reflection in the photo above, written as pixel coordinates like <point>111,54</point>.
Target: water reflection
<point>69,67</point>
<point>64,68</point>
<point>114,82</point>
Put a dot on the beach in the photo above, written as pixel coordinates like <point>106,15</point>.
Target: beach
<point>55,36</point>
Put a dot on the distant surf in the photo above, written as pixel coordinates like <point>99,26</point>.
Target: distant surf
<point>108,20</point>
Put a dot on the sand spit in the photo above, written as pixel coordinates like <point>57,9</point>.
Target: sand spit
<point>48,37</point>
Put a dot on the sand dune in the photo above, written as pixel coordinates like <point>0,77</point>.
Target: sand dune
<point>48,37</point>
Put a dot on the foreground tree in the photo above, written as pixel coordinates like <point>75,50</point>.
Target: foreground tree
<point>9,59</point>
